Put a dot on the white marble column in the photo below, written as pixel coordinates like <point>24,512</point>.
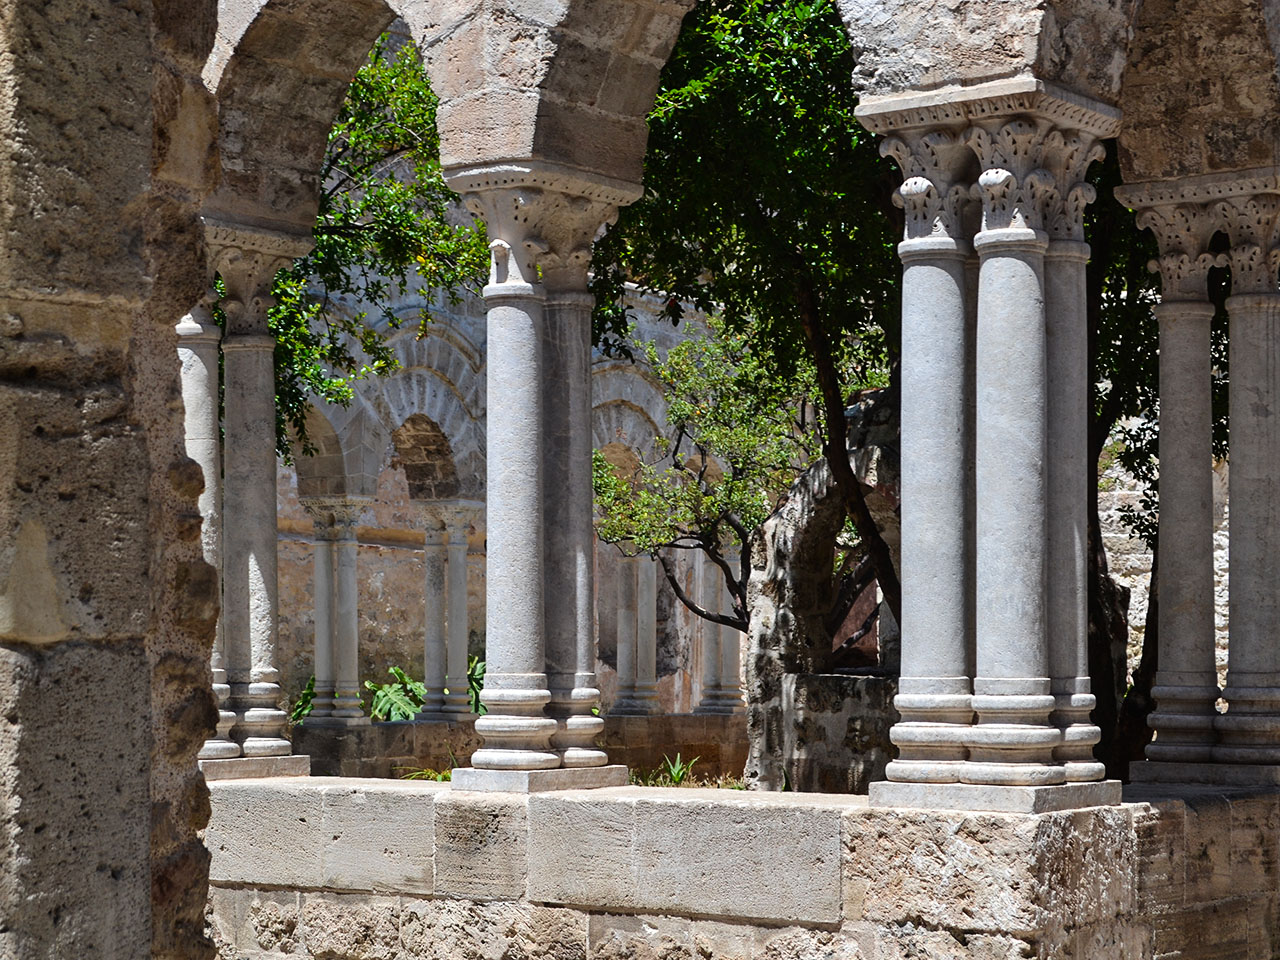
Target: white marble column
<point>1249,731</point>
<point>1068,158</point>
<point>626,640</point>
<point>645,695</point>
<point>542,220</point>
<point>1013,741</point>
<point>934,691</point>
<point>1186,684</point>
<point>322,667</point>
<point>458,699</point>
<point>711,596</point>
<point>247,260</point>
<point>434,652</point>
<point>347,705</point>
<point>730,684</point>
<point>199,340</point>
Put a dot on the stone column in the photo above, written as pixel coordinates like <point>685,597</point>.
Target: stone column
<point>646,685</point>
<point>1249,731</point>
<point>1013,741</point>
<point>248,260</point>
<point>322,701</point>
<point>625,618</point>
<point>934,692</point>
<point>1069,473</point>
<point>434,655</point>
<point>346,612</point>
<point>458,699</point>
<point>1186,684</point>
<point>711,596</point>
<point>730,685</point>
<point>199,341</point>
<point>542,219</point>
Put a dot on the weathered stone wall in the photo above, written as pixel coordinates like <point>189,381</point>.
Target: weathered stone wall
<point>388,749</point>
<point>836,730</point>
<point>351,870</point>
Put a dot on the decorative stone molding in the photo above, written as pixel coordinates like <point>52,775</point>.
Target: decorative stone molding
<point>960,107</point>
<point>1251,222</point>
<point>542,218</point>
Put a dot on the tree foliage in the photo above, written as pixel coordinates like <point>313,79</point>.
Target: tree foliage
<point>765,205</point>
<point>387,224</point>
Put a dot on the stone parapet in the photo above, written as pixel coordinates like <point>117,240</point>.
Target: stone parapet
<point>315,868</point>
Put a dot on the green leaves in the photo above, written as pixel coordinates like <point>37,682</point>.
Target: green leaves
<point>385,228</point>
<point>399,700</point>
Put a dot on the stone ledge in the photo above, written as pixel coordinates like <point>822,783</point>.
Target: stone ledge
<point>995,799</point>
<point>1206,774</point>
<point>538,781</point>
<point>256,768</point>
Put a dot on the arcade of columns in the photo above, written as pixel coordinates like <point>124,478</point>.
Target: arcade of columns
<point>541,656</point>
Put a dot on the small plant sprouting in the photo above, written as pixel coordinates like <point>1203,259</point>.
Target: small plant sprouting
<point>301,708</point>
<point>677,770</point>
<point>399,700</point>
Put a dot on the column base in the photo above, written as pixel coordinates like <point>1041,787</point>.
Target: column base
<point>219,749</point>
<point>1217,774</point>
<point>720,702</point>
<point>998,799</point>
<point>539,781</point>
<point>246,768</point>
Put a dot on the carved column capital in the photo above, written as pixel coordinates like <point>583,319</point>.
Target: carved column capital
<point>1068,156</point>
<point>1251,223</point>
<point>933,194</point>
<point>1014,186</point>
<point>335,517</point>
<point>1182,232</point>
<point>248,259</point>
<point>543,220</point>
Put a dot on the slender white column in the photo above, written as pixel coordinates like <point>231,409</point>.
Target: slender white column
<point>458,699</point>
<point>1013,741</point>
<point>1250,729</point>
<point>626,638</point>
<point>517,733</point>
<point>646,685</point>
<point>1186,685</point>
<point>322,701</point>
<point>199,340</point>
<point>434,656</point>
<point>247,260</point>
<point>1069,472</point>
<point>934,691</point>
<point>730,683</point>
<point>711,597</point>
<point>346,612</point>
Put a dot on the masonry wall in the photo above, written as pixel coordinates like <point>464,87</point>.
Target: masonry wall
<point>350,870</point>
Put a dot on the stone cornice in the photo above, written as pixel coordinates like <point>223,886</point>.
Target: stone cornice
<point>1208,188</point>
<point>963,106</point>
<point>543,175</point>
<point>262,241</point>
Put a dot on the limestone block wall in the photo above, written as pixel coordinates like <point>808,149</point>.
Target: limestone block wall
<point>350,869</point>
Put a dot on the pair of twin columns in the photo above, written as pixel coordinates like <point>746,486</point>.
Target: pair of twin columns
<point>1194,742</point>
<point>994,688</point>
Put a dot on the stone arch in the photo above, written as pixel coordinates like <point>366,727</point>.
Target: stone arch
<point>440,379</point>
<point>349,443</point>
<point>569,85</point>
<point>424,453</point>
<point>627,407</point>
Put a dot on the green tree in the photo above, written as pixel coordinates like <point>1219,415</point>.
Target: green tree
<point>765,205</point>
<point>387,223</point>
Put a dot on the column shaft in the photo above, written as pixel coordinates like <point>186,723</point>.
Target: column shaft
<point>937,468</point>
<point>250,587</point>
<point>516,732</point>
<point>198,350</point>
<point>710,596</point>
<point>1186,686</point>
<point>326,681</point>
<point>646,685</point>
<point>1013,741</point>
<point>458,699</point>
<point>627,638</point>
<point>346,618</point>
<point>1069,475</point>
<point>434,657</point>
<point>1250,729</point>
